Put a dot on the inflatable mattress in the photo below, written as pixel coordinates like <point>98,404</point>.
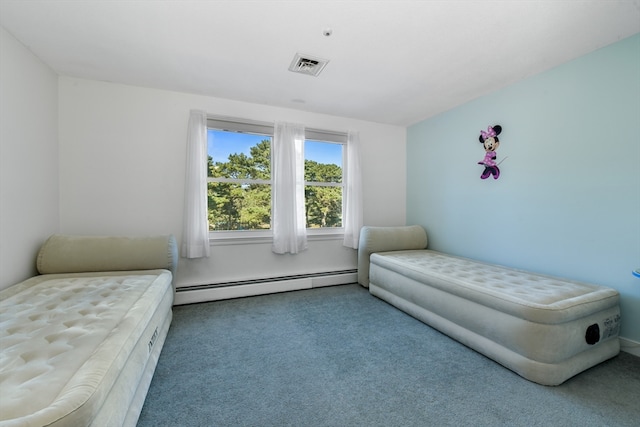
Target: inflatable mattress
<point>544,328</point>
<point>80,348</point>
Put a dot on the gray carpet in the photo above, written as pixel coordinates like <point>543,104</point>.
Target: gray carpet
<point>338,356</point>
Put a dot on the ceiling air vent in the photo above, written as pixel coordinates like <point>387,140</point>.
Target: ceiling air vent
<point>305,64</point>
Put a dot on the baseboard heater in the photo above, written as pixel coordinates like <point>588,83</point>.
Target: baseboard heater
<point>242,288</point>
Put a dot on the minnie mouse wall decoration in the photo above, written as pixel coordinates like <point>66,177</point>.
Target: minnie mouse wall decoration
<point>490,142</point>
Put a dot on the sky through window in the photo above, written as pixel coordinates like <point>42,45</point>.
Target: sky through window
<point>221,144</point>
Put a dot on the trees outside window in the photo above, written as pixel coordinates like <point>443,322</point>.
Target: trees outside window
<point>239,181</point>
<point>323,179</point>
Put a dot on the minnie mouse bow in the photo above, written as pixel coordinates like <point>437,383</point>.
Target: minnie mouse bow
<point>490,133</point>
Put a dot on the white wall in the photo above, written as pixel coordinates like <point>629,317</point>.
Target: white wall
<point>28,158</point>
<point>122,162</point>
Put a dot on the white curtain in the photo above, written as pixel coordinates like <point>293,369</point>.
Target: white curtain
<point>195,236</point>
<point>288,216</point>
<point>353,192</point>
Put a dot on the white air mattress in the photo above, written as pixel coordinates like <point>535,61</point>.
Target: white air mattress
<point>544,328</point>
<point>76,349</point>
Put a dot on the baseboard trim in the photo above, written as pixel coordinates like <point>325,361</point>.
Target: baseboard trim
<point>630,346</point>
<point>220,291</point>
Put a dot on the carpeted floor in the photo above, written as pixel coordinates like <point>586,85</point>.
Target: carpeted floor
<point>338,356</point>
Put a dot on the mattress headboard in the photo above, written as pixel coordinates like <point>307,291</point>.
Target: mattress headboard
<point>383,239</point>
<point>63,253</point>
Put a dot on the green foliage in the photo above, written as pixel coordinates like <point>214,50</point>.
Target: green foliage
<point>321,172</point>
<point>247,206</point>
<point>323,206</point>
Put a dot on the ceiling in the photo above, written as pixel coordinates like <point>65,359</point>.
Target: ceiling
<point>395,62</point>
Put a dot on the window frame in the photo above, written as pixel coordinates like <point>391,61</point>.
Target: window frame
<point>233,124</point>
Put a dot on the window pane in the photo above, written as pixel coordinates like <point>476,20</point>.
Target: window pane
<point>323,161</point>
<point>323,206</point>
<point>242,156</point>
<point>239,206</point>
<point>238,155</point>
<point>323,164</point>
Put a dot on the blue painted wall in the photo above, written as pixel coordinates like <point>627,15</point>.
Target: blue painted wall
<point>567,202</point>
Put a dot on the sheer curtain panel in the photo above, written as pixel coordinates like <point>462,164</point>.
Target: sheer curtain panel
<point>288,217</point>
<point>353,192</point>
<point>195,236</point>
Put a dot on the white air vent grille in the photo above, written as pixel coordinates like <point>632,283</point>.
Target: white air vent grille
<point>305,64</point>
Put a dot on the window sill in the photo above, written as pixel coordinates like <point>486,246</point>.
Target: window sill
<point>222,238</point>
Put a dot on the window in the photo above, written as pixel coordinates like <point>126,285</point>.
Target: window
<point>323,183</point>
<point>238,180</point>
<point>239,177</point>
